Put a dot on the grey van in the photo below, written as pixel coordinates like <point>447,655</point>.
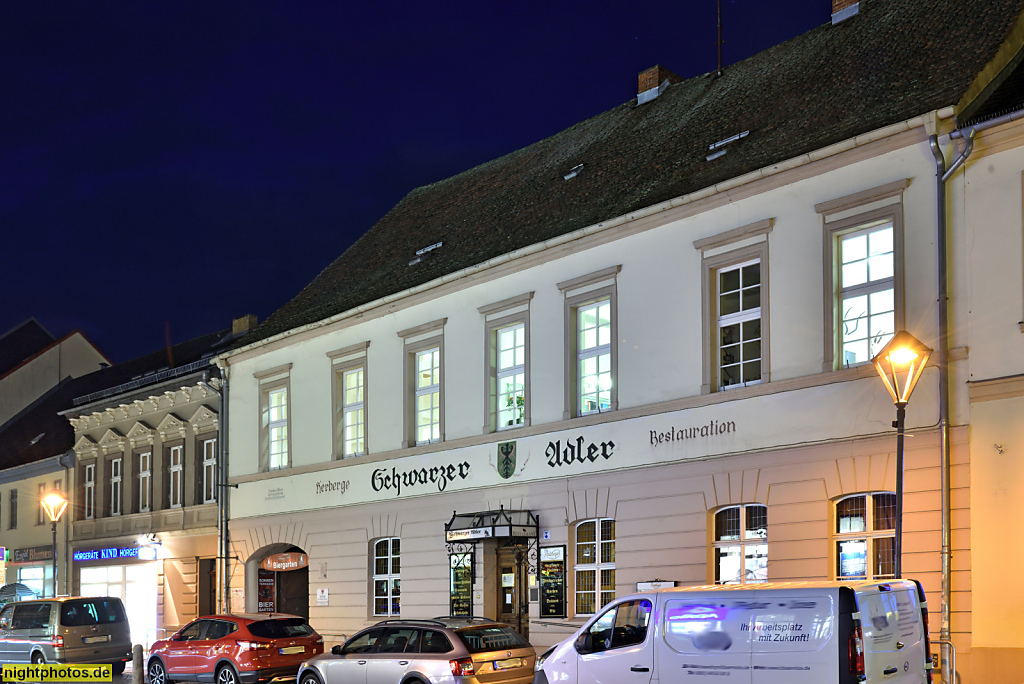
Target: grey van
<point>66,630</point>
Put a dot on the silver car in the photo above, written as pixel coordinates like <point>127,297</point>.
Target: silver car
<point>66,630</point>
<point>450,650</point>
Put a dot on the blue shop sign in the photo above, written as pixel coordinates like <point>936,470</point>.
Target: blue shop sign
<point>110,553</point>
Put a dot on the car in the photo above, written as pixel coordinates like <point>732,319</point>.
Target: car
<point>454,650</point>
<point>69,629</point>
<point>249,648</point>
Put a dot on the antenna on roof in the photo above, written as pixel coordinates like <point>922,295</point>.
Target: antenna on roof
<point>719,72</point>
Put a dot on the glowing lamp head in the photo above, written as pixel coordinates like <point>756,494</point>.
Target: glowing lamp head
<point>900,364</point>
<point>54,504</point>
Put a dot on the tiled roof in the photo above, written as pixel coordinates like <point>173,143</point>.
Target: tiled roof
<point>895,60</point>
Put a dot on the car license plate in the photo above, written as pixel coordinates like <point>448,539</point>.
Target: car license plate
<point>289,650</point>
<point>508,663</point>
<point>96,639</point>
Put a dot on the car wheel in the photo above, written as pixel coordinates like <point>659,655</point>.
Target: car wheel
<point>309,677</point>
<point>157,673</point>
<point>117,667</point>
<point>38,658</point>
<point>226,675</point>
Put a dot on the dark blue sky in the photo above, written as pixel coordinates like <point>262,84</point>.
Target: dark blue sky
<point>184,163</point>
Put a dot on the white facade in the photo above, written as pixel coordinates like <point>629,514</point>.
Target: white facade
<point>673,447</point>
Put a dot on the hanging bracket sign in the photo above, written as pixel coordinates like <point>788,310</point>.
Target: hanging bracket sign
<point>283,562</point>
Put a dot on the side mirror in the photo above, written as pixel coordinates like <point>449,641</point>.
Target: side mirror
<point>336,649</point>
<point>584,643</point>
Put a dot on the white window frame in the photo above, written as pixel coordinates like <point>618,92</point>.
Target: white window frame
<point>593,387</point>
<point>275,435</point>
<point>583,294</point>
<point>870,537</point>
<point>89,504</point>
<point>176,476</point>
<point>511,377</point>
<point>209,470</point>
<point>742,318</point>
<point>500,317</point>
<point>389,575</point>
<point>418,342</point>
<point>116,477</point>
<point>145,481</point>
<point>431,391</point>
<point>277,428</point>
<point>879,319</point>
<point>746,545</point>
<point>353,412</point>
<point>844,218</point>
<point>603,561</point>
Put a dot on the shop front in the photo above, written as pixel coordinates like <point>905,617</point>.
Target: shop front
<point>129,572</point>
<point>32,567</point>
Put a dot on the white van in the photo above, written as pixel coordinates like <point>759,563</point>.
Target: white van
<point>775,633</point>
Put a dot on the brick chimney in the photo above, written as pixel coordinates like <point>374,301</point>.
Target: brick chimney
<point>844,9</point>
<point>650,82</point>
<point>243,324</point>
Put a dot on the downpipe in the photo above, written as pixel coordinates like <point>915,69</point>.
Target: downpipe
<point>942,174</point>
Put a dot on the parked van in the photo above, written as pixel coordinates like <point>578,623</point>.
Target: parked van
<point>775,633</point>
<point>66,630</point>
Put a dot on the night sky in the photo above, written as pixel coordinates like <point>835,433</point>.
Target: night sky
<point>178,164</point>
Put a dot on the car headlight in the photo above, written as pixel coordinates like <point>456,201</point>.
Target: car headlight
<point>543,656</point>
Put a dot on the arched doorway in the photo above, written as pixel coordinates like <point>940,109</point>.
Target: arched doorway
<point>277,580</point>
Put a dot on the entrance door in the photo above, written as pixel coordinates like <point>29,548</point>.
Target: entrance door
<point>293,592</point>
<point>513,594</point>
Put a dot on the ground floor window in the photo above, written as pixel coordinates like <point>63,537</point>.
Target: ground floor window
<point>387,568</point>
<point>741,544</point>
<point>595,564</point>
<point>136,586</point>
<point>39,579</point>
<point>865,536</point>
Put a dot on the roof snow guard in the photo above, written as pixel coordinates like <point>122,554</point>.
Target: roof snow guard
<point>499,524</point>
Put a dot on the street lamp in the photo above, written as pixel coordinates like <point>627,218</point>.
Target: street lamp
<point>54,504</point>
<point>900,363</point>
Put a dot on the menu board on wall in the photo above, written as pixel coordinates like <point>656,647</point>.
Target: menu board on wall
<point>266,582</point>
<point>461,584</point>
<point>552,581</point>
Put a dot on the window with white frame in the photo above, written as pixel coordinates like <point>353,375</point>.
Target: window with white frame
<point>739,324</point>
<point>865,536</point>
<point>210,470</point>
<point>867,292</point>
<point>741,544</point>
<point>510,343</point>
<point>89,502</point>
<point>175,463</point>
<point>353,412</point>
<point>595,564</point>
<point>41,517</point>
<point>428,395</point>
<point>594,356</point>
<point>145,460</point>
<point>387,570</point>
<point>115,486</point>
<point>276,422</point>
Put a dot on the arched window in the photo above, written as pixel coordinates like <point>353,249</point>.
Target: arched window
<point>387,568</point>
<point>741,544</point>
<point>595,564</point>
<point>865,536</point>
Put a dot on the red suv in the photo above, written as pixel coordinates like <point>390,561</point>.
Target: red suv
<point>235,649</point>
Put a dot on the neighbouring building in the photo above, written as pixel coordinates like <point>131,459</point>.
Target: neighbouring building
<point>147,482</point>
<point>639,351</point>
<point>37,378</point>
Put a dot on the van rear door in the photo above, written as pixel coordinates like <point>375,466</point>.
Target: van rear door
<point>893,628</point>
<point>794,637</point>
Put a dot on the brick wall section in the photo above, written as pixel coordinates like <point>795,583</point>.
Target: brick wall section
<point>653,77</point>
<point>838,5</point>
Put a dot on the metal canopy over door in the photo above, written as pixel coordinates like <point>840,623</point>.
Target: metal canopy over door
<point>510,558</point>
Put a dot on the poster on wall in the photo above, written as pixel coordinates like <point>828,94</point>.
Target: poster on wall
<point>552,581</point>
<point>266,583</point>
<point>461,584</point>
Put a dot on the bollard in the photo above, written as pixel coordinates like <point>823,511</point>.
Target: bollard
<point>137,676</point>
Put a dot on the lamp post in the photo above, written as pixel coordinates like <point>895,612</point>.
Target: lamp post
<point>54,504</point>
<point>900,364</point>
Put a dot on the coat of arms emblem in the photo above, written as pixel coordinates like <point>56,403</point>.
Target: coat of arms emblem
<point>506,459</point>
